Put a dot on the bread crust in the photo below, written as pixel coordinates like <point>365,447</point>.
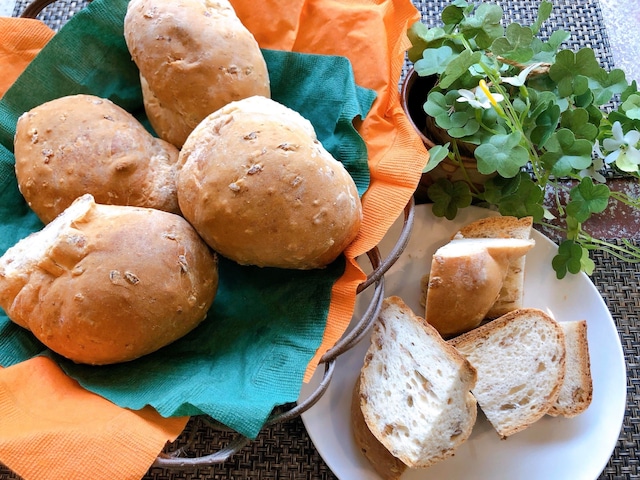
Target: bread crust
<point>465,280</point>
<point>261,189</point>
<point>110,283</point>
<point>512,292</point>
<point>196,56</point>
<point>81,144</point>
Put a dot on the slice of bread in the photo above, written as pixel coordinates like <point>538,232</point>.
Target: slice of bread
<point>387,466</point>
<point>512,291</point>
<point>520,360</point>
<point>415,388</point>
<point>465,280</point>
<point>577,388</point>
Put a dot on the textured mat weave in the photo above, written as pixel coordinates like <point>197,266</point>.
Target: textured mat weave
<point>285,450</point>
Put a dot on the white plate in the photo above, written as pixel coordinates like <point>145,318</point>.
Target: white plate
<point>553,448</point>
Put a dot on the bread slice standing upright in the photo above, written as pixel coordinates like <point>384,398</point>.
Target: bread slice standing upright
<point>577,388</point>
<point>415,389</point>
<point>520,360</point>
<point>512,291</point>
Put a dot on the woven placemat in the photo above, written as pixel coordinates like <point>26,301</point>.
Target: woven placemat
<point>285,450</point>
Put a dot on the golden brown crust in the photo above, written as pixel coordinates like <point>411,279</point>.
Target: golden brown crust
<point>115,284</point>
<point>196,56</point>
<point>512,291</point>
<point>261,190</point>
<point>387,466</point>
<point>84,144</point>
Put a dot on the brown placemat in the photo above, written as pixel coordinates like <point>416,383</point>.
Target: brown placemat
<point>284,450</point>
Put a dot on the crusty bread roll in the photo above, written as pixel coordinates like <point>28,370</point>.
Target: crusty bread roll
<point>415,389</point>
<point>465,280</point>
<point>512,291</point>
<point>84,144</point>
<point>577,388</point>
<point>103,284</point>
<point>520,359</point>
<point>261,189</point>
<point>194,56</point>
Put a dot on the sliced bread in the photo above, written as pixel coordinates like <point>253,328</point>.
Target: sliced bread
<point>520,360</point>
<point>512,291</point>
<point>415,388</point>
<point>465,280</point>
<point>577,388</point>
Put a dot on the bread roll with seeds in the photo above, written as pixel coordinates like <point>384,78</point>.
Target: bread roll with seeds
<point>103,284</point>
<point>195,57</point>
<point>261,189</point>
<point>81,144</point>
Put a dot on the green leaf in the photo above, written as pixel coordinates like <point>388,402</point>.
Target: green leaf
<point>434,61</point>
<point>546,124</point>
<point>631,107</point>
<point>503,154</point>
<point>566,154</point>
<point>454,14</point>
<point>519,196</point>
<point>568,259</point>
<point>437,154</point>
<point>607,84</point>
<point>516,45</point>
<point>577,121</point>
<point>448,197</point>
<point>572,71</point>
<point>587,198</point>
<point>544,12</point>
<point>458,66</point>
<point>485,26</point>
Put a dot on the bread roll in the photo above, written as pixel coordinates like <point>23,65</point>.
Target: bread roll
<point>84,144</point>
<point>512,291</point>
<point>103,284</point>
<point>261,189</point>
<point>465,280</point>
<point>195,56</point>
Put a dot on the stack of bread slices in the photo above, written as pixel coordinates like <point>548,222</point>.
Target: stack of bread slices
<point>415,401</point>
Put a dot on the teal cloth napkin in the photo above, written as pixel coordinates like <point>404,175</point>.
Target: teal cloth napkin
<point>265,325</point>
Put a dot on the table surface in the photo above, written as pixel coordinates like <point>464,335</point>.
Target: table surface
<point>285,450</point>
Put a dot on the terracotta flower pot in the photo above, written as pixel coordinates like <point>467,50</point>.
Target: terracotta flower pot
<point>413,95</point>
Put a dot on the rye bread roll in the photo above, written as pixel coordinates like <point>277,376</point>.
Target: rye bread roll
<point>103,284</point>
<point>85,144</point>
<point>261,189</point>
<point>194,57</point>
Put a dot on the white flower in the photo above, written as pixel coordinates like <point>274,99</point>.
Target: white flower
<point>522,76</point>
<point>594,170</point>
<point>477,98</point>
<point>623,148</point>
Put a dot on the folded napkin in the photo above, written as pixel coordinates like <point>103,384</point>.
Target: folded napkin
<point>20,41</point>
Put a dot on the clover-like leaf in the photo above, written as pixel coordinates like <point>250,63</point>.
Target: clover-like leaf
<point>437,154</point>
<point>503,154</point>
<point>515,45</point>
<point>484,26</point>
<point>546,123</point>
<point>519,196</point>
<point>577,120</point>
<point>587,198</point>
<point>448,197</point>
<point>544,12</point>
<point>458,66</point>
<point>565,153</point>
<point>434,61</point>
<point>631,107</point>
<point>568,258</point>
<point>571,71</point>
<point>605,85</point>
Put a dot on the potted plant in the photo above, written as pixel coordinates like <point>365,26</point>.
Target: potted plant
<point>524,123</point>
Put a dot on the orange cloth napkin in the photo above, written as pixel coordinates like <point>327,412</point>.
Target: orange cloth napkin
<point>45,413</point>
<point>20,41</point>
<point>54,429</point>
<point>372,34</point>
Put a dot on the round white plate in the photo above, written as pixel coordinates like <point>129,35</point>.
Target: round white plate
<point>553,448</point>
